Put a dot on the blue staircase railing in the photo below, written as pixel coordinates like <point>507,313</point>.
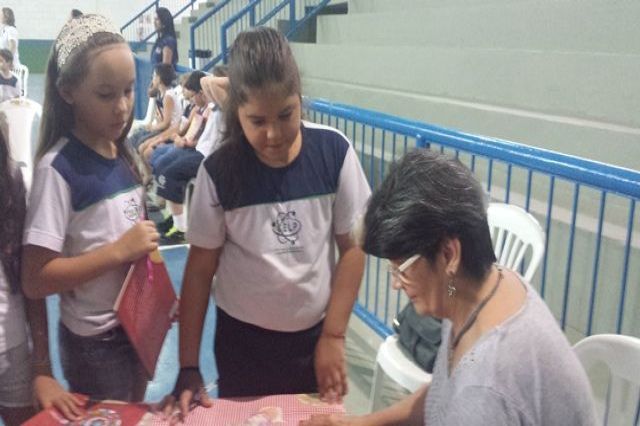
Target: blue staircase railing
<point>212,34</point>
<point>140,29</point>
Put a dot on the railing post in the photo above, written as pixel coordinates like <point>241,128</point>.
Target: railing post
<point>223,43</point>
<point>192,46</point>
<point>420,142</point>
<point>292,14</point>
<point>252,15</point>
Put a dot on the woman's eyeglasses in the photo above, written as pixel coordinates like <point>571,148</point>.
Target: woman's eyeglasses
<point>397,273</point>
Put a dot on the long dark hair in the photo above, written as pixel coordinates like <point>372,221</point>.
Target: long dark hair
<point>166,22</point>
<point>12,213</point>
<point>426,198</point>
<point>57,115</point>
<point>259,59</point>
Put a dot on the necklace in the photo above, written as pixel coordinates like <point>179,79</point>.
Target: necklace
<point>471,319</point>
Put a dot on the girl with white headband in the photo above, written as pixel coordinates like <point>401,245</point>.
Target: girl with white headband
<point>85,222</point>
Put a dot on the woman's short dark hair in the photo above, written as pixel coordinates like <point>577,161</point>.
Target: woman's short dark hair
<point>166,73</point>
<point>425,199</point>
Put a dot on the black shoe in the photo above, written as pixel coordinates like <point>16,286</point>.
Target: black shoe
<point>165,226</point>
<point>172,237</point>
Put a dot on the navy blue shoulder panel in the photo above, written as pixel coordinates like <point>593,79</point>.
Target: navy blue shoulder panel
<point>315,172</point>
<point>91,177</point>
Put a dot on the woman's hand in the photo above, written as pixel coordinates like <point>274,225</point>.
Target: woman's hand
<point>48,393</point>
<point>188,392</point>
<point>331,369</point>
<point>329,420</point>
<point>141,239</point>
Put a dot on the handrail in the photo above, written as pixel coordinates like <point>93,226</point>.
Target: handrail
<point>200,21</point>
<point>154,5</point>
<point>250,8</point>
<point>146,9</point>
<point>604,176</point>
<point>297,25</point>
<point>277,9</point>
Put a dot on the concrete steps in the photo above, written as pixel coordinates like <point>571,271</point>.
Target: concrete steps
<point>553,101</point>
<point>557,74</point>
<point>549,25</point>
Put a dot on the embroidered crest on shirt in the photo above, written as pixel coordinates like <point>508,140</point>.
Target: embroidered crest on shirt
<point>132,210</point>
<point>286,227</point>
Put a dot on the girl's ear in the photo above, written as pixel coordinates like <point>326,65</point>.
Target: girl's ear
<point>66,95</point>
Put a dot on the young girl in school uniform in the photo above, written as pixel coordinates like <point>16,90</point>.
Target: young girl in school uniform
<point>21,319</point>
<point>271,208</point>
<point>85,222</point>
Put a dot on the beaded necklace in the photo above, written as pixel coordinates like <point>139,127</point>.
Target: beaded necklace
<point>471,319</point>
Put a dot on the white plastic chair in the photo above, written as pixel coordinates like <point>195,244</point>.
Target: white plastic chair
<point>398,365</point>
<point>148,118</point>
<point>513,231</point>
<point>22,74</point>
<point>621,355</point>
<point>20,113</point>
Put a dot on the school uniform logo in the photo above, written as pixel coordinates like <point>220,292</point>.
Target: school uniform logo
<point>132,210</point>
<point>286,228</point>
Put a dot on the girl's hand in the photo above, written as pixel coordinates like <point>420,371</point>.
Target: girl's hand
<point>48,393</point>
<point>188,392</point>
<point>215,88</point>
<point>179,142</point>
<point>141,239</point>
<point>331,369</point>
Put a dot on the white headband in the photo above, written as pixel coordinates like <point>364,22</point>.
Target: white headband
<point>77,31</point>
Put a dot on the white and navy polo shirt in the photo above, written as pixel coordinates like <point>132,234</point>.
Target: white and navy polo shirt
<point>79,202</point>
<point>279,254</point>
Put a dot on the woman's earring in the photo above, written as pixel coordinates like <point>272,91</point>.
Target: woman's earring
<point>451,288</point>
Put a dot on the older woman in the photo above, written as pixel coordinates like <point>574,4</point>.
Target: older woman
<point>503,358</point>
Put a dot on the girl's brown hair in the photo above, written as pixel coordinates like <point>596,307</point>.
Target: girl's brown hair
<point>259,59</point>
<point>12,213</point>
<point>57,115</point>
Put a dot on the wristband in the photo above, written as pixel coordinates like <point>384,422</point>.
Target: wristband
<point>333,335</point>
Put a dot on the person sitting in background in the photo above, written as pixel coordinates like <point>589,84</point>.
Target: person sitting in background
<point>174,165</point>
<point>9,37</point>
<point>9,87</point>
<point>168,109</point>
<point>503,359</point>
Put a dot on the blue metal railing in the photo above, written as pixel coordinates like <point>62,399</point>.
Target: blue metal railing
<point>591,271</point>
<point>212,34</point>
<point>140,29</point>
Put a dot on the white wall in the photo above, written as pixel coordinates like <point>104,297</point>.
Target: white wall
<point>42,19</point>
